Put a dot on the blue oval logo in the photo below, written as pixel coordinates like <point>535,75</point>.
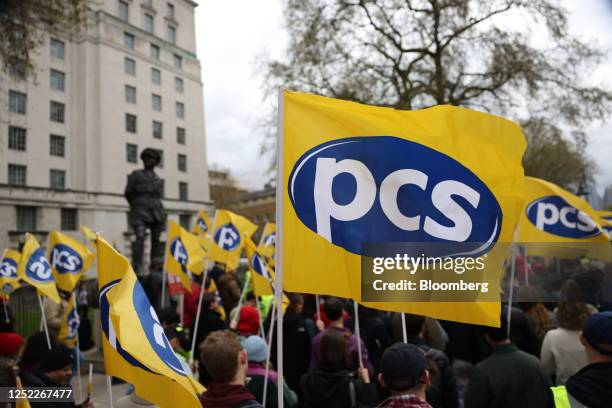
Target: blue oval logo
<point>73,323</point>
<point>37,268</point>
<point>179,253</point>
<point>259,266</point>
<point>270,240</point>
<point>202,225</point>
<point>556,216</point>
<point>8,268</point>
<point>227,237</point>
<point>65,259</point>
<point>387,189</point>
<point>607,229</point>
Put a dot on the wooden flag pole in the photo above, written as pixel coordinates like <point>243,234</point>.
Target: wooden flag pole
<point>511,290</point>
<point>358,334</point>
<point>404,334</point>
<point>77,352</point>
<point>270,333</point>
<point>278,261</point>
<point>197,318</point>
<point>44,320</point>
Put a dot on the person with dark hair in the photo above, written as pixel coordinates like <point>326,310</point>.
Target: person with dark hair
<point>85,333</point>
<point>592,385</point>
<point>169,318</point>
<point>403,371</point>
<point>330,383</point>
<point>35,347</point>
<point>334,310</point>
<point>373,333</point>
<point>443,389</point>
<point>226,361</point>
<point>509,377</point>
<point>210,321</point>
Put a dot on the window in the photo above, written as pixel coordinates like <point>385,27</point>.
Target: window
<point>148,23</point>
<point>156,102</point>
<point>178,61</point>
<point>183,191</point>
<point>157,129</point>
<point>180,110</point>
<point>185,221</point>
<point>57,112</point>
<point>17,70</point>
<point>130,94</point>
<point>154,52</point>
<point>169,10</point>
<point>131,153</point>
<point>180,135</point>
<point>182,162</point>
<point>130,123</point>
<point>69,219</point>
<point>123,10</point>
<point>17,175</point>
<point>155,76</point>
<point>26,218</point>
<point>58,49</point>
<point>171,34</point>
<point>129,66</point>
<point>57,179</point>
<point>17,138</point>
<point>18,102</point>
<point>161,156</point>
<point>57,145</point>
<point>128,40</point>
<point>57,80</point>
<point>178,84</point>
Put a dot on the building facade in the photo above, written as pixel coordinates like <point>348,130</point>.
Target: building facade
<point>70,137</point>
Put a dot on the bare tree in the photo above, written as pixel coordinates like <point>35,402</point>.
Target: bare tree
<point>414,54</point>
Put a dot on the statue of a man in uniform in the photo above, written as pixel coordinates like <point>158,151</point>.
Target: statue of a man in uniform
<point>144,193</point>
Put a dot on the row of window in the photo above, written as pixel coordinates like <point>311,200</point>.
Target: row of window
<point>131,152</point>
<point>129,66</point>
<point>27,218</point>
<point>18,102</point>
<point>156,77</point>
<point>149,20</point>
<point>156,101</point>
<point>18,141</point>
<point>129,41</point>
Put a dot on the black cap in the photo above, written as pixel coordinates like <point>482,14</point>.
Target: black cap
<point>151,153</point>
<point>598,332</point>
<point>57,358</point>
<point>402,366</point>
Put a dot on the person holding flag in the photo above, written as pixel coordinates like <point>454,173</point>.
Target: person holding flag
<point>9,281</point>
<point>227,238</point>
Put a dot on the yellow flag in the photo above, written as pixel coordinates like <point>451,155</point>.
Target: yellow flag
<point>133,340</point>
<point>9,281</point>
<point>69,329</point>
<point>69,259</point>
<point>261,273</point>
<point>605,218</point>
<point>203,223</point>
<point>184,255</point>
<point>35,269</point>
<point>352,174</point>
<point>555,220</point>
<point>89,235</point>
<point>21,402</point>
<point>228,240</point>
<point>267,243</point>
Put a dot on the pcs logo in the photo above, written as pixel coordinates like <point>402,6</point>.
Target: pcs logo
<point>8,268</point>
<point>202,225</point>
<point>65,259</point>
<point>227,237</point>
<point>556,216</point>
<point>37,268</point>
<point>73,323</point>
<point>153,331</point>
<point>270,240</point>
<point>179,253</point>
<point>388,189</point>
<point>259,266</point>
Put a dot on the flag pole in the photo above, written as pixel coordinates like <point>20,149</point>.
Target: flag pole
<point>197,318</point>
<point>279,384</point>
<point>77,351</point>
<point>404,334</point>
<point>44,320</point>
<point>280,182</point>
<point>318,301</point>
<point>163,294</point>
<point>110,391</point>
<point>7,319</point>
<point>261,328</point>
<point>511,290</point>
<point>90,381</point>
<point>358,334</point>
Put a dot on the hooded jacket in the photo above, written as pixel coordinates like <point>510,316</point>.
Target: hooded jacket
<point>223,395</point>
<point>592,385</point>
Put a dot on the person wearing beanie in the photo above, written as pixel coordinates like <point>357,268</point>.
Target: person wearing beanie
<point>403,371</point>
<point>257,351</point>
<point>248,321</point>
<point>11,348</point>
<point>592,385</point>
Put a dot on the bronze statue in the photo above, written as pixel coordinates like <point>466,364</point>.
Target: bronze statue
<point>144,192</point>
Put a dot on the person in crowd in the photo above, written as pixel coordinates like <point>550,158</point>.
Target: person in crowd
<point>35,347</point>
<point>85,331</point>
<point>169,318</point>
<point>55,371</point>
<point>334,310</point>
<point>257,351</point>
<point>190,304</point>
<point>540,318</point>
<point>11,349</point>
<point>248,321</point>
<point>592,385</point>
<point>509,377</point>
<point>226,361</point>
<point>330,383</point>
<point>403,371</point>
<point>374,334</point>
<point>54,312</point>
<point>229,288</point>
<point>210,321</point>
<point>443,389</point>
<point>562,352</point>
<point>175,337</point>
<point>522,335</point>
<point>249,300</point>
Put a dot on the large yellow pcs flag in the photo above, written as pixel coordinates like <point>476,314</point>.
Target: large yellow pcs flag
<point>261,274</point>
<point>267,243</point>
<point>605,218</point>
<point>228,237</point>
<point>352,174</point>
<point>133,340</point>
<point>184,254</point>
<point>557,223</point>
<point>69,328</point>
<point>35,269</point>
<point>9,281</point>
<point>69,259</point>
<point>203,224</point>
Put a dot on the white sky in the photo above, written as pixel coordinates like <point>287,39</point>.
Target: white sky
<point>230,34</point>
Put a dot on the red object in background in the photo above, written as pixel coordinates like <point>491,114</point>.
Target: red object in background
<point>175,287</point>
<point>190,305</point>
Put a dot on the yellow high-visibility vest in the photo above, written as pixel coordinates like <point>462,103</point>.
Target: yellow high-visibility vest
<point>563,399</point>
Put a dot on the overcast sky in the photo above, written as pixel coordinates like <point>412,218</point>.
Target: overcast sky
<point>231,34</point>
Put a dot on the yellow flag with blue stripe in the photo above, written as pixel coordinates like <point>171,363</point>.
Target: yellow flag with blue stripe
<point>267,242</point>
<point>69,328</point>
<point>352,174</point>
<point>203,223</point>
<point>184,254</point>
<point>69,259</point>
<point>9,281</point>
<point>133,340</point>
<point>261,273</point>
<point>228,237</point>
<point>34,269</point>
<point>606,221</point>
